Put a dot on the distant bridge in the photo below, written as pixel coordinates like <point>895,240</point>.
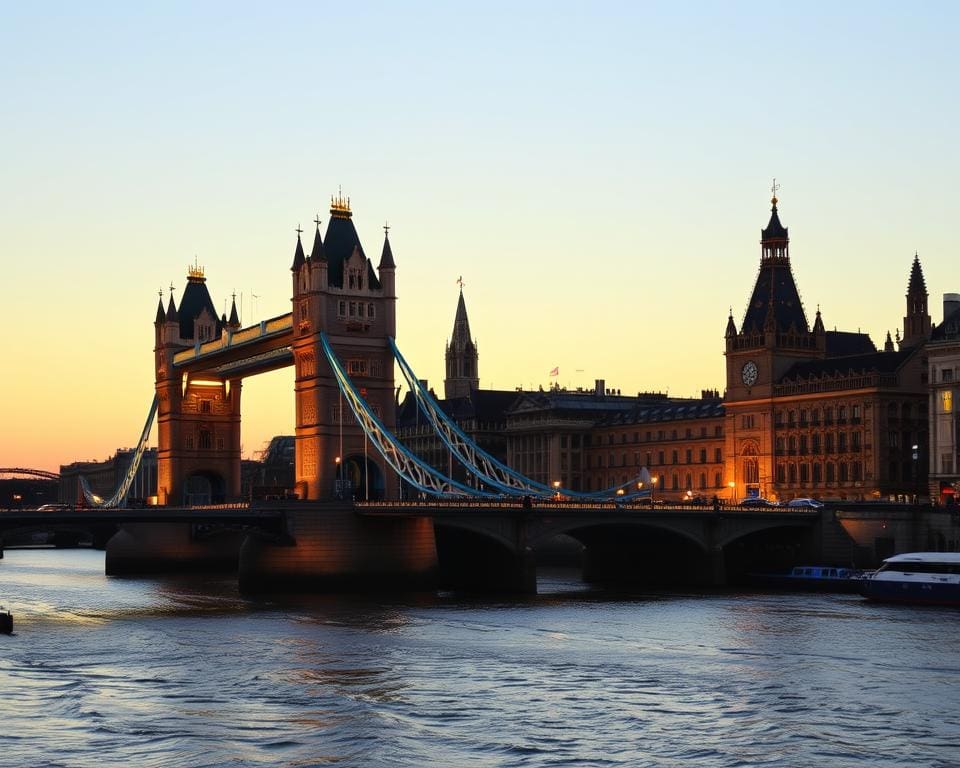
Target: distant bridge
<point>40,474</point>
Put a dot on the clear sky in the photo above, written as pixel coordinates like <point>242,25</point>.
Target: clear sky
<point>598,173</point>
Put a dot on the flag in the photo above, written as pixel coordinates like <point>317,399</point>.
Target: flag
<point>555,371</point>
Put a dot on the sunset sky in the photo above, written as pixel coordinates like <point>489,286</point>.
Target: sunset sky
<point>598,174</point>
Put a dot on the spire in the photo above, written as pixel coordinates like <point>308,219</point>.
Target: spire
<point>160,315</point>
<point>916,323</point>
<point>298,258</point>
<point>171,311</point>
<point>386,258</point>
<point>775,234</point>
<point>818,323</point>
<point>731,326</point>
<point>317,253</point>
<point>234,321</point>
<point>917,284</point>
<point>888,344</point>
<point>775,302</point>
<point>461,358</point>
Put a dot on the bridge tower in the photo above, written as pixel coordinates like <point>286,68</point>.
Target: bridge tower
<point>337,291</point>
<point>198,414</point>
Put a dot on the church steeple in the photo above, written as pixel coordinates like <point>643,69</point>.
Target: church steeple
<point>916,323</point>
<point>462,358</point>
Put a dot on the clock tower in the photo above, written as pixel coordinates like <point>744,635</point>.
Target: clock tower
<point>773,336</point>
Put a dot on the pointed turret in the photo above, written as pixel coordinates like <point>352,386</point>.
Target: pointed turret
<point>888,344</point>
<point>731,331</point>
<point>317,253</point>
<point>160,314</point>
<point>298,257</point>
<point>234,322</point>
<point>172,315</point>
<point>916,323</point>
<point>461,357</point>
<point>386,257</point>
<point>818,324</point>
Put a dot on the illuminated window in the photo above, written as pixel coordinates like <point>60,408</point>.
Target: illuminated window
<point>946,397</point>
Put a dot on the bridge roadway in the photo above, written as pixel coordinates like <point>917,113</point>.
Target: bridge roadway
<point>268,520</point>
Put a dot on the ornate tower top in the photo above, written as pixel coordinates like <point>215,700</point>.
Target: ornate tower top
<point>195,272</point>
<point>340,206</point>
<point>775,304</point>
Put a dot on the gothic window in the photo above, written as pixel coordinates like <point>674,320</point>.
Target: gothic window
<point>371,311</point>
<point>718,455</point>
<point>792,444</point>
<point>717,480</point>
<point>842,442</point>
<point>703,480</point>
<point>674,459</point>
<point>751,472</point>
<point>817,473</point>
<point>815,443</point>
<point>803,445</point>
<point>675,481</point>
<point>857,468</point>
<point>792,474</point>
<point>689,456</point>
<point>946,400</point>
<point>689,481</point>
<point>204,406</point>
<point>703,455</point>
<point>843,472</point>
<point>206,439</point>
<point>828,442</point>
<point>831,472</point>
<point>779,445</point>
<point>781,474</point>
<point>342,309</point>
<point>804,473</point>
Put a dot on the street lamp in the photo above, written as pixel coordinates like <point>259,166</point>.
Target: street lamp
<point>339,481</point>
<point>19,500</point>
<point>916,473</point>
<point>556,489</point>
<point>653,488</point>
<point>731,485</point>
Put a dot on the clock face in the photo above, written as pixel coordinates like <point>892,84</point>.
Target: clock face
<point>749,373</point>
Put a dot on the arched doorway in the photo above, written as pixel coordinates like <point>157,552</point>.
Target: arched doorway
<point>363,478</point>
<point>204,488</point>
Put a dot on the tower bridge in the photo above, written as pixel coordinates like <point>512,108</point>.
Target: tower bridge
<point>340,338</point>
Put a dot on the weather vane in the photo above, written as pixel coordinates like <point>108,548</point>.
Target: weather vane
<point>774,188</point>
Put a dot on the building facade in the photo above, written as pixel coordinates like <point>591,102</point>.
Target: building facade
<point>811,412</point>
<point>943,356</point>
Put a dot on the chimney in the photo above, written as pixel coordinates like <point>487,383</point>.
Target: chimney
<point>599,387</point>
<point>951,303</point>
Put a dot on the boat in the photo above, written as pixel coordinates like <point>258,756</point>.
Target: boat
<point>6,622</point>
<point>921,578</point>
<point>813,578</point>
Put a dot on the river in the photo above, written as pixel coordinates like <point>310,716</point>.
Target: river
<point>186,672</point>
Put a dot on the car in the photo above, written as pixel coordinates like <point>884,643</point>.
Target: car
<point>54,508</point>
<point>756,501</point>
<point>805,503</point>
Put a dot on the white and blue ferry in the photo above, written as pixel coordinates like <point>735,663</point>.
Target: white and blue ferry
<point>930,578</point>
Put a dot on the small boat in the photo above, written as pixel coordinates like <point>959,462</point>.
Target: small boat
<point>813,578</point>
<point>6,622</point>
<point>920,578</point>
